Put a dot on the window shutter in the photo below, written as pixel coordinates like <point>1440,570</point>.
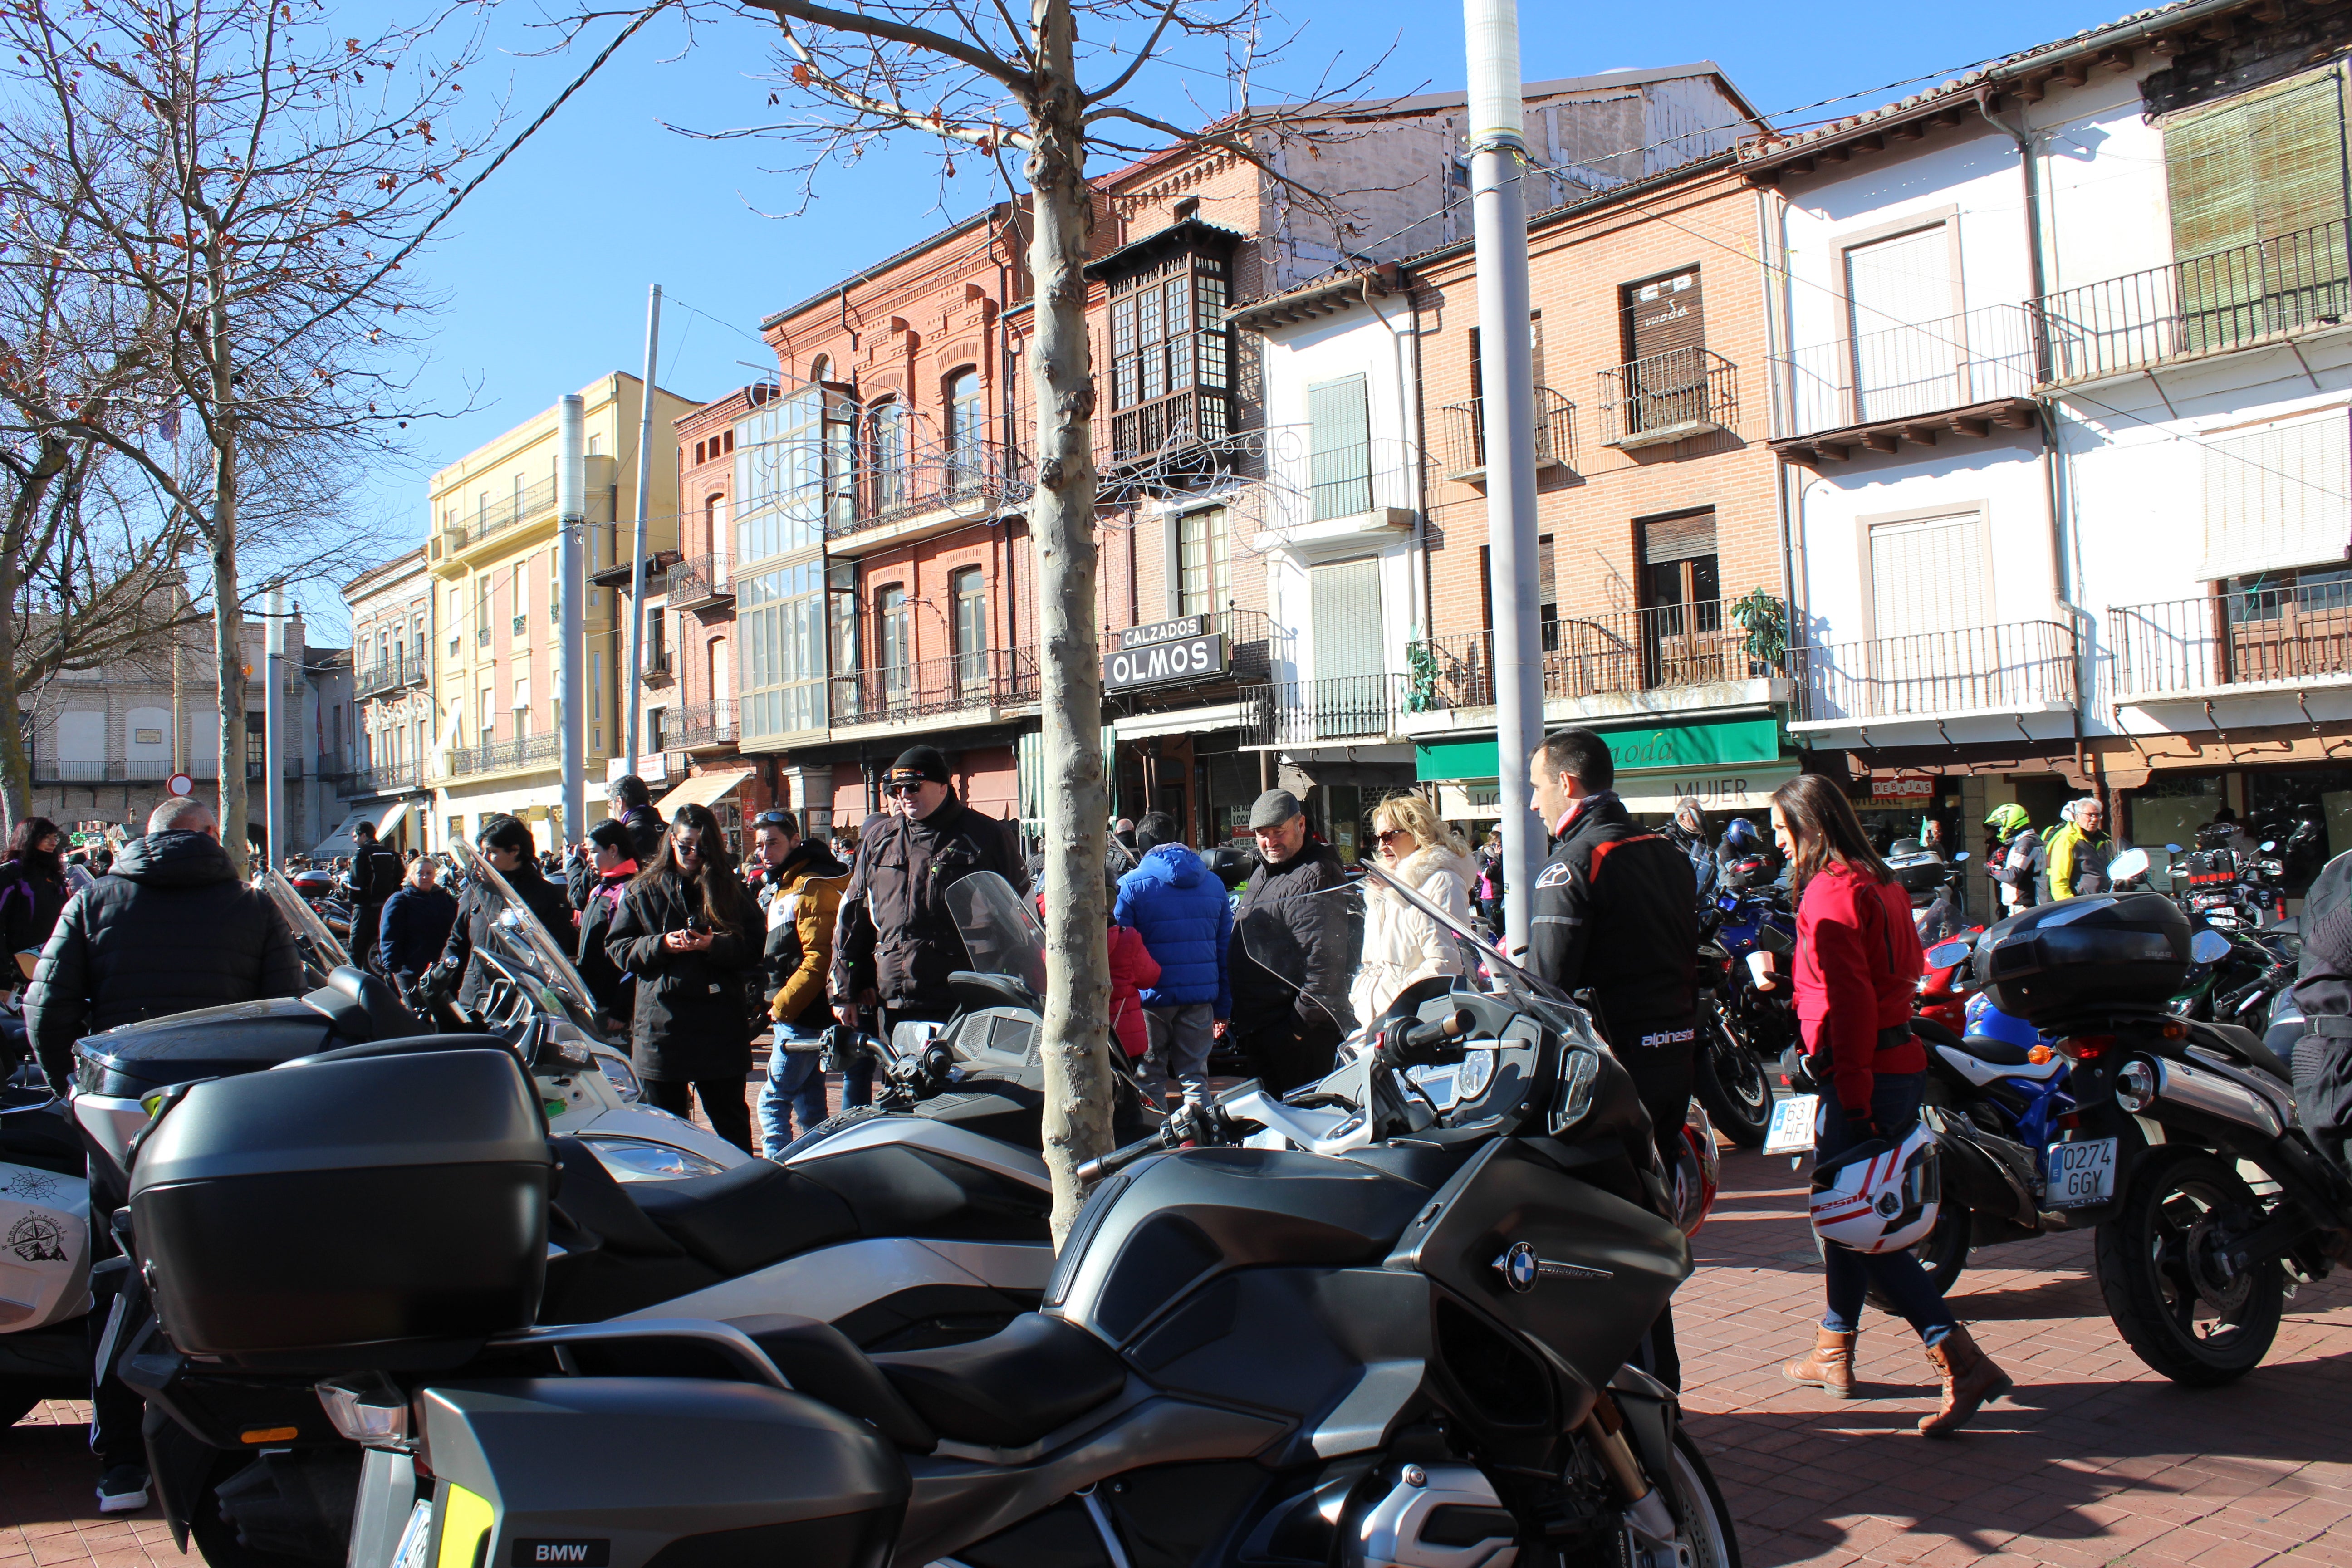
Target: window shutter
<point>2275,497</point>
<point>1665,315</point>
<point>2259,169</point>
<point>1928,575</point>
<point>1340,448</point>
<point>1345,598</point>
<point>1684,538</point>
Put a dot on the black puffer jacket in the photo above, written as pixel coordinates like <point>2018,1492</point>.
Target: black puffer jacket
<point>689,1019</point>
<point>32,896</point>
<point>896,935</point>
<point>171,930</point>
<point>478,906</point>
<point>1294,955</point>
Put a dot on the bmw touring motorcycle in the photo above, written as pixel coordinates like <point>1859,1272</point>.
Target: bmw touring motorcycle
<point>1386,1326</point>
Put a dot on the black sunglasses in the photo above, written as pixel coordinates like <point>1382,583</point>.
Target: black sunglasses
<point>914,788</point>
<point>771,819</point>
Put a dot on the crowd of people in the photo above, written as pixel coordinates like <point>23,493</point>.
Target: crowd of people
<point>694,955</point>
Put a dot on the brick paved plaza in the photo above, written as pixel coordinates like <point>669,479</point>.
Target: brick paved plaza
<point>2096,1461</point>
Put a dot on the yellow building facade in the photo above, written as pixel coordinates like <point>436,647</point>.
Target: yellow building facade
<point>493,552</point>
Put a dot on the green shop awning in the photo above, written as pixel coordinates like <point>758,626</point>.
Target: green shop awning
<point>1677,748</point>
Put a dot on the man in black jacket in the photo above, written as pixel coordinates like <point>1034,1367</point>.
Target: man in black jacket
<point>1616,912</point>
<point>895,943</point>
<point>633,806</point>
<point>375,874</point>
<point>173,929</point>
<point>1293,954</point>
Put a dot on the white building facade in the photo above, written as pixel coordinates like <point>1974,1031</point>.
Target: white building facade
<point>2063,392</point>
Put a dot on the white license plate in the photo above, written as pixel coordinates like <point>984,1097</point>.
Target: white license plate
<point>2082,1173</point>
<point>1791,1130</point>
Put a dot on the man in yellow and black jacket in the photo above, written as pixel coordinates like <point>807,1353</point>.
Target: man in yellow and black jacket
<point>801,884</point>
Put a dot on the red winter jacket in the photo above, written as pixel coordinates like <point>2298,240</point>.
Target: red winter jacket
<point>1132,969</point>
<point>1857,969</point>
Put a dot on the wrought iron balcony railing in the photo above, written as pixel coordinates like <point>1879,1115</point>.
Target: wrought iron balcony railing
<point>975,476</point>
<point>992,678</point>
<point>1357,709</point>
<point>2018,667</point>
<point>519,508</point>
<point>1908,371</point>
<point>1668,397</point>
<point>1585,655</point>
<point>701,580</point>
<point>700,724</point>
<point>2242,638</point>
<point>1462,435</point>
<point>497,755</point>
<point>392,674</point>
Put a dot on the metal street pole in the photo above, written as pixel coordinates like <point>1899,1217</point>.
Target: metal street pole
<point>645,502</point>
<point>572,527</point>
<point>273,730</point>
<point>1506,390</point>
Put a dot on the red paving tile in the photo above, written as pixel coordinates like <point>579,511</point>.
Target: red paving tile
<point>2095,1462</point>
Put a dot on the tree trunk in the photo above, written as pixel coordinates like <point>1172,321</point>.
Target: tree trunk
<point>229,638</point>
<point>1062,519</point>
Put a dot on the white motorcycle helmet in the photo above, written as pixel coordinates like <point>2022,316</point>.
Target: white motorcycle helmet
<point>1878,1196</point>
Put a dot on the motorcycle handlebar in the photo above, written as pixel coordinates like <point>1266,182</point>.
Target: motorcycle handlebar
<point>1117,1160</point>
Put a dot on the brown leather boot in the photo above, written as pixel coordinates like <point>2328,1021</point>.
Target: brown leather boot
<point>1971,1379</point>
<point>1831,1366</point>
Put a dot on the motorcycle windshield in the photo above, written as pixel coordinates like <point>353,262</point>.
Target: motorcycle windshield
<point>525,944</point>
<point>1373,945</point>
<point>999,929</point>
<point>326,948</point>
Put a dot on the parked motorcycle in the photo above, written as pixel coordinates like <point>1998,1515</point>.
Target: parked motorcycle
<point>1380,1321</point>
<point>1745,1017</point>
<point>44,1251</point>
<point>2172,1117</point>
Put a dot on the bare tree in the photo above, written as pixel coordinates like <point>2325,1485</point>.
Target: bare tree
<point>970,75</point>
<point>237,182</point>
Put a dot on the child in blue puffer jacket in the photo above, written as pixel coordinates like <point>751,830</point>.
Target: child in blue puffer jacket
<point>1179,907</point>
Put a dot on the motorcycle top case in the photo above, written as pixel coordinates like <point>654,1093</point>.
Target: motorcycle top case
<point>1922,873</point>
<point>385,1213</point>
<point>213,1042</point>
<point>2102,951</point>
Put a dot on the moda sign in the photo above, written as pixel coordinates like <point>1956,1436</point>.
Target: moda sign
<point>1164,653</point>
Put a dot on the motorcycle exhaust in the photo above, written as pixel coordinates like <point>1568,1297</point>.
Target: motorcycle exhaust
<point>2158,1080</point>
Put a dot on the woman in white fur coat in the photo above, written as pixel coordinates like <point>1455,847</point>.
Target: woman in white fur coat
<point>1403,946</point>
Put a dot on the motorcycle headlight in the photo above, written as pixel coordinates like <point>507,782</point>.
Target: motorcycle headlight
<point>618,1072</point>
<point>638,1160</point>
<point>1578,1071</point>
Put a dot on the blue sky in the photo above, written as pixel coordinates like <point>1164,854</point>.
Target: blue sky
<point>545,270</point>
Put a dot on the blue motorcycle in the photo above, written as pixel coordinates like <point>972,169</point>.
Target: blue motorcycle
<point>1746,1020</point>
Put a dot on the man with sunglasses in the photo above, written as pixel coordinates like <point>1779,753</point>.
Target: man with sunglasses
<point>896,941</point>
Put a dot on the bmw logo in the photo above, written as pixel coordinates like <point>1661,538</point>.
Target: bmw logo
<point>1520,1265</point>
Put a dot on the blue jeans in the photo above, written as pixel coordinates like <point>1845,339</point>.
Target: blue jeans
<point>795,1086</point>
<point>1894,1106</point>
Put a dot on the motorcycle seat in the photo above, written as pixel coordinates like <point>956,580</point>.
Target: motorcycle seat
<point>1012,1388</point>
<point>819,1361</point>
<point>748,1218</point>
<point>1999,1052</point>
<point>2246,1045</point>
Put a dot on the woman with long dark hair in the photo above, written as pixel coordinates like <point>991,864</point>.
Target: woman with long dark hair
<point>32,891</point>
<point>1857,967</point>
<point>689,931</point>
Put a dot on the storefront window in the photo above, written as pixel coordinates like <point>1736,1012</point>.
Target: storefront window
<point>2169,809</point>
<point>2278,803</point>
<point>1230,788</point>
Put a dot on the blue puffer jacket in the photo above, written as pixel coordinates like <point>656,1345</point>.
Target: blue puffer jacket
<point>1180,907</point>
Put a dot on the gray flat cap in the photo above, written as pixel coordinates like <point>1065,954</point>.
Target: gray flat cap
<point>1274,808</point>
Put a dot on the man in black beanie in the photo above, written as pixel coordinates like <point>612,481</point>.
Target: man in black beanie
<point>896,941</point>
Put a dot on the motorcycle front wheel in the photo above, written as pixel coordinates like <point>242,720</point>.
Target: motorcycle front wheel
<point>1730,1081</point>
<point>2162,1267</point>
<point>1697,1503</point>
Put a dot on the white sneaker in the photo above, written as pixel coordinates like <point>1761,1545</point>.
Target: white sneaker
<point>122,1490</point>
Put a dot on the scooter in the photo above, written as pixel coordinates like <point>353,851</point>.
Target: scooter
<point>1400,1337</point>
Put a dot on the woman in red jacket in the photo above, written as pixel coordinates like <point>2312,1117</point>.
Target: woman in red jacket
<point>1857,967</point>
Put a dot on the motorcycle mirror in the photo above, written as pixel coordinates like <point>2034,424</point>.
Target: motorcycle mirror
<point>1948,954</point>
<point>2172,849</point>
<point>2129,864</point>
<point>2269,844</point>
<point>1959,856</point>
<point>2209,946</point>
